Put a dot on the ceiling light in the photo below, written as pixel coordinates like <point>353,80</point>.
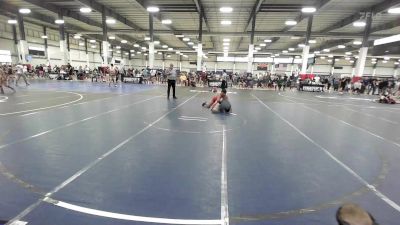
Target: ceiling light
<point>341,46</point>
<point>255,51</point>
<point>384,61</point>
<point>25,11</point>
<point>144,48</point>
<point>396,63</point>
<point>308,9</point>
<point>291,49</point>
<point>118,47</point>
<point>12,21</point>
<point>267,40</point>
<point>285,51</point>
<point>337,60</point>
<point>226,48</point>
<point>181,53</point>
<point>147,38</point>
<point>170,49</point>
<point>349,53</point>
<point>226,22</point>
<point>165,46</point>
<point>111,21</point>
<point>132,55</point>
<point>317,52</point>
<point>132,50</point>
<point>225,9</point>
<point>374,59</point>
<point>263,44</point>
<point>312,41</point>
<point>374,62</point>
<point>302,45</point>
<point>139,52</point>
<point>186,39</point>
<point>124,41</point>
<point>156,42</point>
<point>81,44</point>
<point>227,39</point>
<point>394,10</point>
<point>297,57</point>
<point>136,45</point>
<point>347,58</point>
<point>277,55</point>
<point>178,52</point>
<point>166,21</point>
<point>160,53</point>
<point>152,9</point>
<point>93,46</point>
<point>195,47</point>
<point>44,36</point>
<point>351,61</point>
<point>386,58</point>
<point>118,51</point>
<point>226,44</point>
<point>168,56</point>
<point>330,56</point>
<point>329,60</point>
<point>92,41</point>
<point>77,36</point>
<point>126,53</point>
<point>295,37</point>
<point>85,10</point>
<point>357,43</point>
<point>322,57</point>
<point>290,22</point>
<point>326,50</point>
<point>179,35</point>
<point>190,43</point>
<point>257,48</point>
<point>356,56</point>
<point>359,23</point>
<point>145,54</point>
<point>59,21</point>
<point>111,37</point>
<point>185,56</point>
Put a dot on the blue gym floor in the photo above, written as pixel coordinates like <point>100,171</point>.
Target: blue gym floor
<point>83,153</point>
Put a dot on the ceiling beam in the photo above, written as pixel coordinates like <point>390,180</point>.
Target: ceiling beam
<point>378,8</point>
<point>386,26</point>
<point>255,10</point>
<point>200,8</point>
<point>99,7</point>
<point>66,12</point>
<point>300,18</point>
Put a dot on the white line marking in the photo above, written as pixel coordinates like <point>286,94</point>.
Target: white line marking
<point>23,103</point>
<point>120,216</point>
<point>351,125</point>
<point>347,168</point>
<point>187,119</point>
<point>224,183</point>
<point>73,123</point>
<point>37,109</point>
<point>92,164</point>
<point>4,98</point>
<point>19,223</point>
<point>370,115</point>
<point>193,117</point>
<point>28,114</point>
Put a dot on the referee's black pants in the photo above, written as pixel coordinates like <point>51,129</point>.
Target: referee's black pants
<point>171,83</point>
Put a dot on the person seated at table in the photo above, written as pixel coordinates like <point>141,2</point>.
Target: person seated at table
<point>222,105</point>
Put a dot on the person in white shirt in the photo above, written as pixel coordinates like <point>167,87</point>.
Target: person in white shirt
<point>21,72</point>
<point>171,76</point>
<point>113,75</point>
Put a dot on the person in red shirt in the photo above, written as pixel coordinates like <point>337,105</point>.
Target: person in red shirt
<point>213,100</point>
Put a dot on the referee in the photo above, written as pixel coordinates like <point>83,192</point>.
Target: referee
<point>171,76</point>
